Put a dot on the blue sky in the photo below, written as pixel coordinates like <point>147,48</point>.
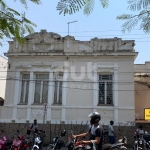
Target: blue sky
<point>100,23</point>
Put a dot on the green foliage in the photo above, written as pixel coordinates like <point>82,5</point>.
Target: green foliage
<point>69,6</point>
<point>73,6</point>
<point>14,24</point>
<point>24,2</point>
<point>88,8</point>
<point>143,17</point>
<point>140,6</point>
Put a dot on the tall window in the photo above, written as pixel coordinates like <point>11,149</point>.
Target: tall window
<point>24,88</point>
<point>58,83</point>
<point>41,88</point>
<point>105,89</point>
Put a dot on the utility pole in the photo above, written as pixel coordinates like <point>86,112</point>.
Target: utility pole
<point>68,25</point>
<point>44,111</point>
<point>23,16</point>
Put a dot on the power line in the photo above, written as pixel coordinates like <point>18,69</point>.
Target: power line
<point>77,87</point>
<point>92,71</point>
<point>98,36</point>
<point>96,31</point>
<point>69,81</point>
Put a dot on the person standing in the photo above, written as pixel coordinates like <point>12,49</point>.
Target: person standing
<point>111,133</point>
<point>139,132</point>
<point>33,127</point>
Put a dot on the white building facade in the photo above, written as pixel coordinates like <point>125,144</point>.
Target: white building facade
<point>3,75</point>
<point>73,77</point>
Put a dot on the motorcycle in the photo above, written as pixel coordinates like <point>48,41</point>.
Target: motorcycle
<point>119,145</point>
<point>19,142</point>
<point>142,142</point>
<point>38,140</point>
<point>73,144</point>
<point>57,142</point>
<point>5,143</point>
<point>147,140</point>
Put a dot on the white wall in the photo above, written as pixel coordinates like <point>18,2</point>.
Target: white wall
<point>79,102</point>
<point>3,75</point>
<point>112,56</point>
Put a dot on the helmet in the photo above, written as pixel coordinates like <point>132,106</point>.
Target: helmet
<point>95,117</point>
<point>111,122</point>
<point>63,133</point>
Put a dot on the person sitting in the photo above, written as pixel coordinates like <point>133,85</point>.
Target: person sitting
<point>95,132</point>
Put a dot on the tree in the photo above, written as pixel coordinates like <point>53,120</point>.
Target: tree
<point>141,6</point>
<point>72,6</point>
<point>14,24</point>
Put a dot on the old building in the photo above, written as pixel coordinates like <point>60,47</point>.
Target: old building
<point>142,91</point>
<point>73,77</point>
<point>3,75</point>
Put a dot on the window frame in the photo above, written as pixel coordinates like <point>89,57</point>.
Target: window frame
<point>41,88</point>
<point>58,80</point>
<point>25,89</point>
<point>105,89</point>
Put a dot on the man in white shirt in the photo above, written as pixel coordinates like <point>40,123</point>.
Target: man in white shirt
<point>33,127</point>
<point>139,131</point>
<point>111,133</point>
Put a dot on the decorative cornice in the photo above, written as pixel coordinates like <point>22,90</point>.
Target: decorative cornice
<point>72,54</point>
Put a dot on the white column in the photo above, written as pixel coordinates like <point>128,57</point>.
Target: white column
<point>95,87</point>
<point>16,95</point>
<point>30,96</point>
<point>50,94</point>
<point>115,93</point>
<point>64,94</point>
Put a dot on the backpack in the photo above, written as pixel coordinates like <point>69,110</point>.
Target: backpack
<point>28,131</point>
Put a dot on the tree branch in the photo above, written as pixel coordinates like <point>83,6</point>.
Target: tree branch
<point>140,14</point>
<point>9,16</point>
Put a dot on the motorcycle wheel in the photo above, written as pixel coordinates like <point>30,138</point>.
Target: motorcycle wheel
<point>115,148</point>
<point>50,147</point>
<point>35,148</point>
<point>135,148</point>
<point>80,148</point>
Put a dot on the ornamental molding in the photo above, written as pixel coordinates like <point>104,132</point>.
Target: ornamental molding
<point>42,47</point>
<point>84,47</point>
<point>42,66</point>
<point>60,68</point>
<point>37,114</point>
<point>23,67</point>
<point>105,70</point>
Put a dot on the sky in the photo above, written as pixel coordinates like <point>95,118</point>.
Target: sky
<point>101,23</point>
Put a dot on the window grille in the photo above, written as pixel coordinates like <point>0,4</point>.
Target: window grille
<point>41,88</point>
<point>58,85</point>
<point>24,88</point>
<point>105,89</point>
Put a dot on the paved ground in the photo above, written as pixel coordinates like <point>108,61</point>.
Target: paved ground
<point>64,148</point>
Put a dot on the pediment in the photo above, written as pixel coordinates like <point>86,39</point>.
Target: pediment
<point>43,37</point>
<point>43,46</point>
<point>84,47</point>
<point>126,46</point>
